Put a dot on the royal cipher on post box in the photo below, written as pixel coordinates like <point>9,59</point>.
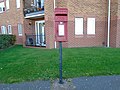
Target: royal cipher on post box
<point>61,19</point>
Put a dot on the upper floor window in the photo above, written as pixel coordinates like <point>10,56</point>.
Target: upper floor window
<point>7,4</point>
<point>39,3</point>
<point>42,3</point>
<point>3,30</point>
<point>2,7</point>
<point>18,3</point>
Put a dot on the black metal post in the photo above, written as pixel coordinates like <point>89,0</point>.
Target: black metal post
<point>60,67</point>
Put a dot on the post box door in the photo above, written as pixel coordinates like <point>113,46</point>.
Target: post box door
<point>61,31</point>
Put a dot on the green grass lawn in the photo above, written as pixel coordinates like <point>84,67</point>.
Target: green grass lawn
<point>18,64</point>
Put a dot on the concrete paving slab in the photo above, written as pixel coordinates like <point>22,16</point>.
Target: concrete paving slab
<point>67,85</point>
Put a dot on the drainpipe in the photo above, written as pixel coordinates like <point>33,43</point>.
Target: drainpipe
<point>55,44</point>
<point>108,35</point>
<point>54,4</point>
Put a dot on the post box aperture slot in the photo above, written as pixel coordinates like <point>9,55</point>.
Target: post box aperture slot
<point>60,14</point>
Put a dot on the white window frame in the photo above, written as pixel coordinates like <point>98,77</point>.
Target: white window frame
<point>42,3</point>
<point>2,7</point>
<point>79,26</point>
<point>18,3</point>
<point>7,4</point>
<point>19,29</point>
<point>9,29</point>
<point>91,26</point>
<point>3,30</point>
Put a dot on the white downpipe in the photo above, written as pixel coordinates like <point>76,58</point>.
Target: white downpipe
<point>108,35</point>
<point>55,45</point>
<point>54,4</point>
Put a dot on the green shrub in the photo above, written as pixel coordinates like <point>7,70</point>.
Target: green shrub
<point>7,40</point>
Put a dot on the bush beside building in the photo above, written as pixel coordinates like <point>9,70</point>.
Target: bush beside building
<point>7,41</point>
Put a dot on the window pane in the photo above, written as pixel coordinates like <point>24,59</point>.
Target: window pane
<point>91,26</point>
<point>42,3</point>
<point>78,26</point>
<point>7,4</point>
<point>9,29</point>
<point>35,2</point>
<point>1,9</point>
<point>18,3</point>
<point>3,30</point>
<point>2,6</point>
<point>19,29</point>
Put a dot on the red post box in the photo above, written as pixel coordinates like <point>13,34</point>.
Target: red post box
<point>61,19</point>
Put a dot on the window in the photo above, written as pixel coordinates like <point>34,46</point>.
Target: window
<point>3,30</point>
<point>35,2</point>
<point>18,3</point>
<point>7,4</point>
<point>91,26</point>
<point>78,26</point>
<point>9,29</point>
<point>39,3</point>
<point>2,7</point>
<point>20,29</point>
<point>42,3</point>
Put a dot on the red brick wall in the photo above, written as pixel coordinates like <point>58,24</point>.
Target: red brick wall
<point>115,24</point>
<point>93,9</point>
<point>118,24</point>
<point>49,23</point>
<point>87,40</point>
<point>12,17</point>
<point>97,9</point>
<point>85,9</point>
<point>118,33</point>
<point>27,3</point>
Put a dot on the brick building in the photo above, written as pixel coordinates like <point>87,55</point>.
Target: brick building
<point>12,18</point>
<point>32,21</point>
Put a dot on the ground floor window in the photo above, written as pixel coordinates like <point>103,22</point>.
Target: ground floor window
<point>3,30</point>
<point>19,29</point>
<point>9,29</point>
<point>78,26</point>
<point>91,26</point>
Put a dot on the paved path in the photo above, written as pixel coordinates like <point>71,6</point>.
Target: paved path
<point>97,83</point>
<point>82,83</point>
<point>36,85</point>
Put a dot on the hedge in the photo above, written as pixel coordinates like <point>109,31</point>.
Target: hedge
<point>7,40</point>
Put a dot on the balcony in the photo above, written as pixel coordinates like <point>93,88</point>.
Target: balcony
<point>35,10</point>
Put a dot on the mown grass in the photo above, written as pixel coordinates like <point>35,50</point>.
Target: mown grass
<point>18,64</point>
